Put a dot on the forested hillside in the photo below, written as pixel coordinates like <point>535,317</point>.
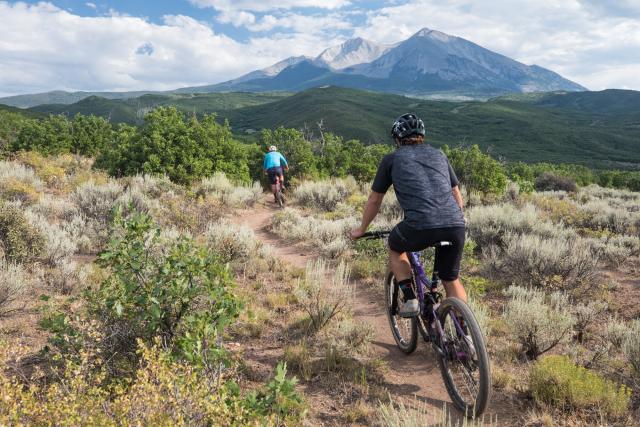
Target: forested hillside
<point>597,129</point>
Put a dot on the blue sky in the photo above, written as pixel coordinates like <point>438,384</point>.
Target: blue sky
<point>165,44</point>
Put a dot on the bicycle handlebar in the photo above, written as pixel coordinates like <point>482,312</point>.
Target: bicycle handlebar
<point>370,235</point>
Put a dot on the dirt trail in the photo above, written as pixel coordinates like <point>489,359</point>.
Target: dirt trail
<point>409,377</point>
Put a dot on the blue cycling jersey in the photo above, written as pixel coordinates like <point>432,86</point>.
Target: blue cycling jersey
<point>273,159</point>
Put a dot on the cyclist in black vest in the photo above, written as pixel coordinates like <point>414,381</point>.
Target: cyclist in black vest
<point>427,189</point>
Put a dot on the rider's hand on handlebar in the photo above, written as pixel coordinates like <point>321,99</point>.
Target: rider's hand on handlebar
<point>356,233</point>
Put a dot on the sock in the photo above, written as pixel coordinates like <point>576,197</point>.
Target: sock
<point>407,289</point>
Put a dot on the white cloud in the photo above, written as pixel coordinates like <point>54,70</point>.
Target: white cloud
<point>44,47</point>
<point>269,5</point>
<point>310,24</point>
<point>91,5</point>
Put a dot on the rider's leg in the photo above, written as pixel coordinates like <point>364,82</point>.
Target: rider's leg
<point>400,265</point>
<point>282,181</point>
<point>401,269</point>
<point>274,188</point>
<point>454,288</point>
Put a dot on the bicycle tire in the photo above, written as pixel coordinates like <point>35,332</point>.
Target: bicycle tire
<point>480,402</point>
<point>405,344</point>
<point>280,199</point>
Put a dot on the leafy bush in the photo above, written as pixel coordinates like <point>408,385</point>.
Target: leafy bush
<point>542,261</point>
<point>163,392</point>
<point>153,287</point>
<point>19,241</point>
<point>174,290</point>
<point>479,172</point>
<point>57,134</point>
<point>325,295</point>
<point>13,283</point>
<point>183,149</point>
<point>557,381</point>
<point>538,321</point>
<point>279,398</point>
<point>551,182</point>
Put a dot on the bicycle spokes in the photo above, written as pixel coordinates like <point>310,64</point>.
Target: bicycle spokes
<point>460,357</point>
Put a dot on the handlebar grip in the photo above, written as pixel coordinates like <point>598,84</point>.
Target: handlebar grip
<point>375,235</point>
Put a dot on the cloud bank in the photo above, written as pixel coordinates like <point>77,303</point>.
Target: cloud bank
<point>45,47</point>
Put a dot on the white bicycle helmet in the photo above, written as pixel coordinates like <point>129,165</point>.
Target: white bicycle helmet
<point>273,148</point>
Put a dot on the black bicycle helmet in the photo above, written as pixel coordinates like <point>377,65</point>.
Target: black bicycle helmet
<point>407,124</point>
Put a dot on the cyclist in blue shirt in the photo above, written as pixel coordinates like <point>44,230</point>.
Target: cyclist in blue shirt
<point>273,164</point>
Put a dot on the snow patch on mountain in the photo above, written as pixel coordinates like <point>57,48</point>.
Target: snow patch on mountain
<point>352,52</point>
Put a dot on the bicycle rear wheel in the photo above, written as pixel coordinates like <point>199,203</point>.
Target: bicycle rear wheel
<point>464,362</point>
<point>280,198</point>
<point>404,330</point>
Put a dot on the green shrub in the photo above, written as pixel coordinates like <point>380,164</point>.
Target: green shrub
<point>19,241</point>
<point>153,287</point>
<point>279,398</point>
<point>478,172</point>
<point>163,392</point>
<point>551,182</point>
<point>183,149</point>
<point>171,289</point>
<point>557,381</point>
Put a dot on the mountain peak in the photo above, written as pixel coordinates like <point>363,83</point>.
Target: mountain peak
<point>434,34</point>
<point>429,62</point>
<point>351,52</point>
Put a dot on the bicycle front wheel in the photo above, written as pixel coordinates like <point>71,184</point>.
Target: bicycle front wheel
<point>464,362</point>
<point>404,330</point>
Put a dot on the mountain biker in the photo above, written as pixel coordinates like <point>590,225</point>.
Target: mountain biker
<point>427,190</point>
<point>273,164</point>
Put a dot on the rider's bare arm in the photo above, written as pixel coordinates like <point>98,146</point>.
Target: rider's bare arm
<point>370,211</point>
<point>458,196</point>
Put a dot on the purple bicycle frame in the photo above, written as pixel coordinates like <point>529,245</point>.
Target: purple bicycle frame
<point>422,283</point>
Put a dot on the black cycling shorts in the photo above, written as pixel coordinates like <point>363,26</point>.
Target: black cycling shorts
<point>273,174</point>
<point>404,238</point>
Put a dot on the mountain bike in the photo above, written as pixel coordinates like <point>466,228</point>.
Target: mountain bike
<point>278,194</point>
<point>452,329</point>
